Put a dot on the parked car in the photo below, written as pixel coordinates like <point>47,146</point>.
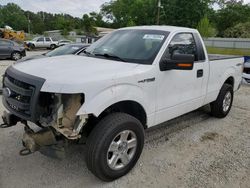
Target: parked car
<point>42,42</point>
<point>63,42</point>
<point>246,72</point>
<point>68,49</point>
<point>128,81</point>
<point>11,49</point>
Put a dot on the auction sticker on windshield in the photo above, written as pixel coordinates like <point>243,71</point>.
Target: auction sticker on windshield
<point>153,37</point>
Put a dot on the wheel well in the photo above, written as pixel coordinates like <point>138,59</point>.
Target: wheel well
<point>230,81</point>
<point>130,107</point>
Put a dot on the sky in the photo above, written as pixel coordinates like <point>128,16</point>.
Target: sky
<point>73,7</point>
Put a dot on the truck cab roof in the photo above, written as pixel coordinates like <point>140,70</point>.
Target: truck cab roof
<point>162,28</point>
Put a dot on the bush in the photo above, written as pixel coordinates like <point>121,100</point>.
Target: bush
<point>241,30</point>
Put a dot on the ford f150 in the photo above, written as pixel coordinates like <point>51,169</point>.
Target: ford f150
<point>128,81</point>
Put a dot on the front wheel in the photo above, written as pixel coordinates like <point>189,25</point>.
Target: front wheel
<point>222,106</point>
<point>52,46</point>
<point>114,146</point>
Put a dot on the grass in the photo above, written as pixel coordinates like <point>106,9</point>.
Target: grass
<point>228,51</point>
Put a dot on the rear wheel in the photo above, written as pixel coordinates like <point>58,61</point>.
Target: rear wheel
<point>222,106</point>
<point>114,146</point>
<point>16,56</point>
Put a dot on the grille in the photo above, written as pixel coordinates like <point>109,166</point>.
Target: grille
<point>247,70</point>
<point>20,94</point>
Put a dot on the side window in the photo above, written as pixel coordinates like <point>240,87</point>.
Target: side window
<point>182,43</point>
<point>5,43</point>
<point>40,39</point>
<point>47,39</point>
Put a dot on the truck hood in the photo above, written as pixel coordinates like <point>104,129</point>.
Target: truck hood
<point>72,74</point>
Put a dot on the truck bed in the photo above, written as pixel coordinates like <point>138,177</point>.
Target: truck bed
<point>214,57</point>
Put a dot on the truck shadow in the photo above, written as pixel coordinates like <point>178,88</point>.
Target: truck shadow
<point>161,132</point>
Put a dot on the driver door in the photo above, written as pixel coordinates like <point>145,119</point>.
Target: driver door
<point>179,91</point>
<point>40,42</point>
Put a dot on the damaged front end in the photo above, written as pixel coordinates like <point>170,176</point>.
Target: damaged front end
<point>54,114</point>
<point>59,111</point>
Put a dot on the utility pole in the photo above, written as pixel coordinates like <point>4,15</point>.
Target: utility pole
<point>159,11</point>
<point>43,16</point>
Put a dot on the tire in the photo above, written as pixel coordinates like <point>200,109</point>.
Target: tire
<point>32,46</point>
<point>16,56</point>
<point>52,46</point>
<point>100,153</point>
<point>222,106</point>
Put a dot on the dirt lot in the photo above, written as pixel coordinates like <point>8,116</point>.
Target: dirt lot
<point>194,150</point>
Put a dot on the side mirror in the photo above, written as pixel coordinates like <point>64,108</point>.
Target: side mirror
<point>178,62</point>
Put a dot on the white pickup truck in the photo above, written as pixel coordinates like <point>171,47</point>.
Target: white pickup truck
<point>128,81</point>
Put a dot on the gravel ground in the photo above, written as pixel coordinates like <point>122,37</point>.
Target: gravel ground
<point>195,150</point>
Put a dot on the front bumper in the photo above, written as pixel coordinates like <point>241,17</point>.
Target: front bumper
<point>23,53</point>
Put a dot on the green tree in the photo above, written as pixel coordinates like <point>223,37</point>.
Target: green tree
<point>36,22</point>
<point>241,30</point>
<point>123,13</point>
<point>185,12</point>
<point>143,12</point>
<point>205,28</point>
<point>12,15</point>
<point>98,19</point>
<point>230,16</point>
<point>1,17</point>
<point>224,3</point>
<point>88,24</point>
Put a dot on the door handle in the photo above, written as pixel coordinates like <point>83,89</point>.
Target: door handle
<point>200,73</point>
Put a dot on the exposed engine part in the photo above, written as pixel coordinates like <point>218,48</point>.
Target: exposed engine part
<point>72,133</point>
<point>59,111</point>
<point>45,141</point>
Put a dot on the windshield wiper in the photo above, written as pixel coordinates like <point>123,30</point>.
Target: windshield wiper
<point>111,56</point>
<point>87,53</point>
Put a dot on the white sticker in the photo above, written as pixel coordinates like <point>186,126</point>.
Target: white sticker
<point>153,37</point>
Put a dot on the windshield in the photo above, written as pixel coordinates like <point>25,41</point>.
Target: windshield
<point>36,38</point>
<point>135,46</point>
<point>64,50</point>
